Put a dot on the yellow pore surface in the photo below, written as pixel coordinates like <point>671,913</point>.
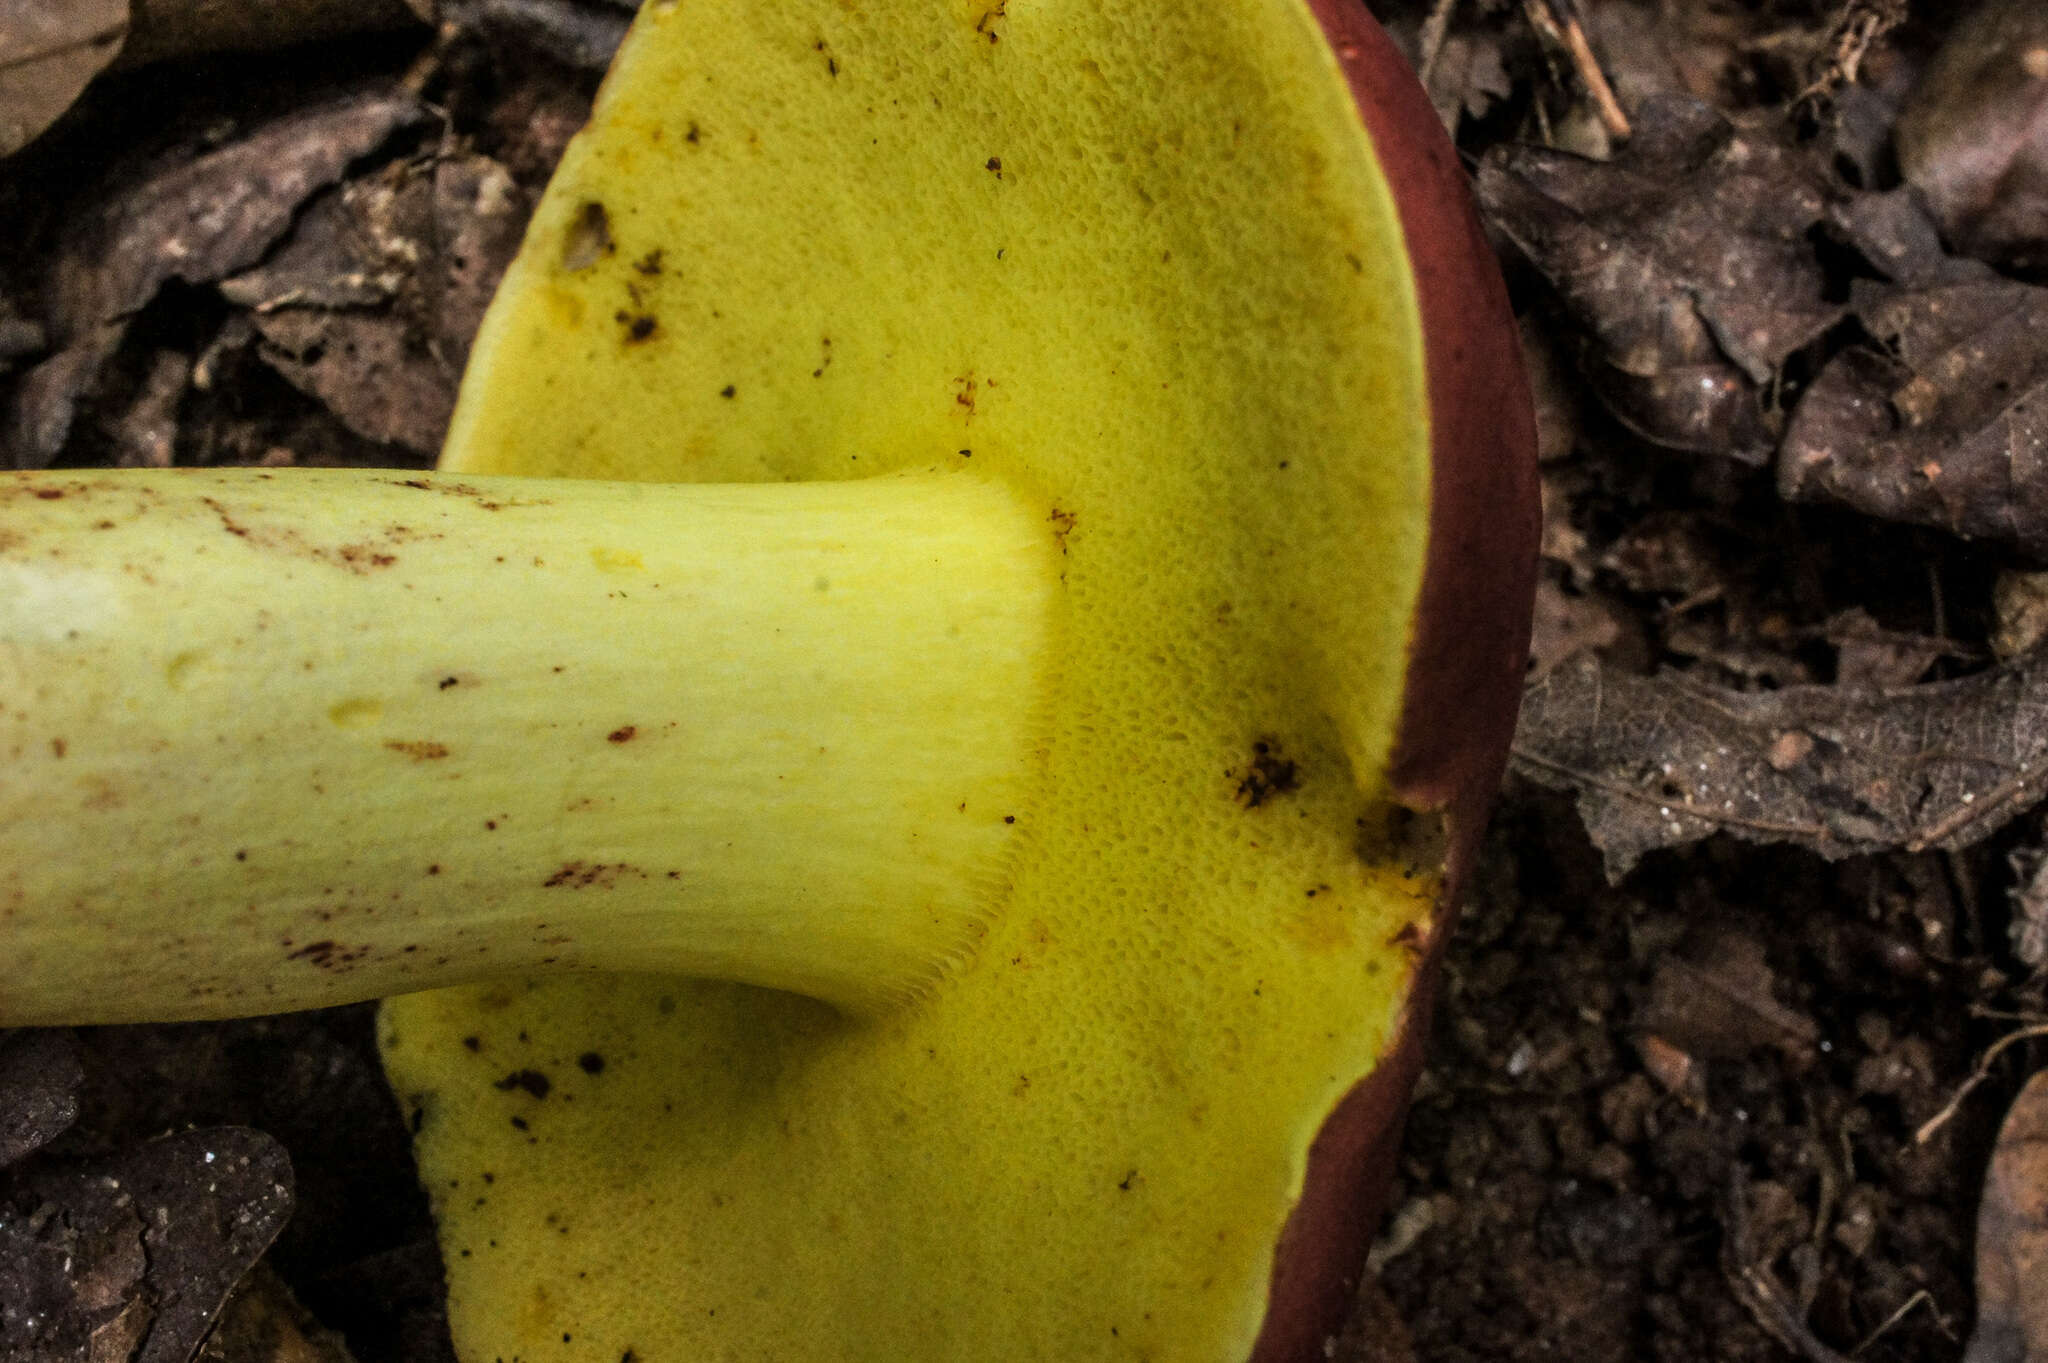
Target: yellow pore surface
<point>1135,261</point>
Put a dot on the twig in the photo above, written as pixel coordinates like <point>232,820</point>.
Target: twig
<point>1977,1076</point>
<point>1557,22</point>
<point>1857,27</point>
<point>1962,816</point>
<point>1920,1298</point>
<point>1756,1288</point>
<point>1434,29</point>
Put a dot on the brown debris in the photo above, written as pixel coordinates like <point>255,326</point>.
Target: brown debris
<point>40,1077</point>
<point>1684,265</point>
<point>196,220</point>
<point>1466,76</point>
<point>1941,420</point>
<point>1717,1002</point>
<point>52,52</point>
<point>1974,136</point>
<point>183,28</point>
<point>580,36</point>
<point>1664,761</point>
<point>263,1323</point>
<point>1756,1286</point>
<point>137,1252</point>
<point>369,306</point>
<point>1867,655</point>
<point>2012,1237</point>
<point>2028,929</point>
<point>1858,26</point>
<point>1557,22</point>
<point>1567,624</point>
<point>2020,602</point>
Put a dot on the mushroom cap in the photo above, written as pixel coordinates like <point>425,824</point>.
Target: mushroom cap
<point>1150,271</point>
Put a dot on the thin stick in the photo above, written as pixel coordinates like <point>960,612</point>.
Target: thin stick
<point>1434,29</point>
<point>1920,1298</point>
<point>1558,22</point>
<point>1977,1076</point>
<point>1756,1287</point>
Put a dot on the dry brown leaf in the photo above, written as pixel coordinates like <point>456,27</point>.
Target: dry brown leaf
<point>1897,237</point>
<point>40,1077</point>
<point>1718,1001</point>
<point>184,28</point>
<point>2012,1238</point>
<point>1684,263</point>
<point>577,33</point>
<point>2028,929</point>
<point>264,1323</point>
<point>1974,136</point>
<point>130,1259</point>
<point>195,220</point>
<point>370,305</point>
<point>49,53</point>
<point>50,50</point>
<point>1467,77</point>
<point>1941,421</point>
<point>1664,761</point>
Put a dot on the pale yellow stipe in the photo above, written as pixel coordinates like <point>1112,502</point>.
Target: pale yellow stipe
<point>1134,260</point>
<point>276,740</point>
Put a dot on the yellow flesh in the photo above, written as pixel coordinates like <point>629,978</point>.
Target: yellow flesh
<point>1137,258</point>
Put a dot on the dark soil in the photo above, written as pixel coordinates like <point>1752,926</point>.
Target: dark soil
<point>1669,1118</point>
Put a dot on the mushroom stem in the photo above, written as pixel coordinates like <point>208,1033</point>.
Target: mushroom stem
<point>279,742</point>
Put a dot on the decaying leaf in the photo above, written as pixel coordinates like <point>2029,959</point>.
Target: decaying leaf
<point>1898,239</point>
<point>48,54</point>
<point>1570,623</point>
<point>578,33</point>
<point>1942,421</point>
<point>2029,895</point>
<point>1684,262</point>
<point>1718,1000</point>
<point>183,28</point>
<point>1664,761</point>
<point>195,220</point>
<point>2012,1238</point>
<point>40,1076</point>
<point>1869,655</point>
<point>263,1323</point>
<point>2019,602</point>
<point>1974,136</point>
<point>50,50</point>
<point>370,305</point>
<point>20,338</point>
<point>130,1259</point>
<point>1467,76</point>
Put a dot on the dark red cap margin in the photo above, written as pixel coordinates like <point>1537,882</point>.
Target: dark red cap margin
<point>1466,656</point>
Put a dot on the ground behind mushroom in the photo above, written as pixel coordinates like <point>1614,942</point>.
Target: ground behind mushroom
<point>1568,1174</point>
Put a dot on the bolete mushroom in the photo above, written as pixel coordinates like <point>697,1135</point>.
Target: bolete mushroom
<point>1084,756</point>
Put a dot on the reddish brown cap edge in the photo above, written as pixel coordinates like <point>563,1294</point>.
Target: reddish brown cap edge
<point>1466,656</point>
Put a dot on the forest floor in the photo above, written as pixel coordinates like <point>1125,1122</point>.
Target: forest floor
<point>1765,882</point>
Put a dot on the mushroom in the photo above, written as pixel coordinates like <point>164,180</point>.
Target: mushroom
<point>1052,730</point>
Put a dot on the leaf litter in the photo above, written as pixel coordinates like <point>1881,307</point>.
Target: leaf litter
<point>1663,761</point>
<point>132,1257</point>
<point>194,219</point>
<point>1705,282</point>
